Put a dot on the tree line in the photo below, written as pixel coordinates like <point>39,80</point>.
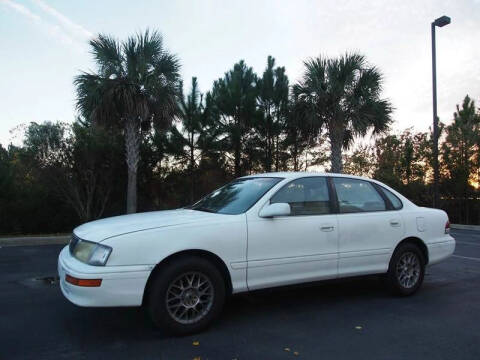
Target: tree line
<point>145,139</point>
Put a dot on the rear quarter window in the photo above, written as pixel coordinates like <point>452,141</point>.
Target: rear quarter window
<point>394,200</point>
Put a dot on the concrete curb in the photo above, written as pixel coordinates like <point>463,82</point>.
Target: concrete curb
<point>465,227</point>
<point>35,240</point>
<point>64,239</point>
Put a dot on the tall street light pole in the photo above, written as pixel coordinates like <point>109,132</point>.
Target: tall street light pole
<point>440,22</point>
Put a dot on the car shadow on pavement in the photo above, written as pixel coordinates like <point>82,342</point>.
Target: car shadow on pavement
<point>305,297</point>
<point>104,324</point>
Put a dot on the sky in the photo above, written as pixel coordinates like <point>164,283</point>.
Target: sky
<point>44,44</point>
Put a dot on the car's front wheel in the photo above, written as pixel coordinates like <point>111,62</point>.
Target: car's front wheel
<point>186,295</point>
<point>406,269</point>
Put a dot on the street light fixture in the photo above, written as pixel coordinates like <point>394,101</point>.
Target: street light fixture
<point>440,22</point>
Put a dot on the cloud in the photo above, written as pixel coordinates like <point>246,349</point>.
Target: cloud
<point>52,30</point>
<point>75,29</point>
<point>22,10</point>
<point>68,33</point>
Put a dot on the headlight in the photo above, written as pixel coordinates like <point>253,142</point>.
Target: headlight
<point>91,253</point>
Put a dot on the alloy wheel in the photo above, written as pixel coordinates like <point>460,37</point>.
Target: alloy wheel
<point>190,297</point>
<point>408,270</point>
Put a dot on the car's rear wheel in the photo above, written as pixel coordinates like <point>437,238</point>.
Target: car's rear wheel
<point>406,270</point>
<point>186,295</point>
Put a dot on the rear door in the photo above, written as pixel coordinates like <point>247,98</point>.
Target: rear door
<point>369,227</point>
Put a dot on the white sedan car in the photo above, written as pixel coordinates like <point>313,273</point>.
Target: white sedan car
<point>256,232</point>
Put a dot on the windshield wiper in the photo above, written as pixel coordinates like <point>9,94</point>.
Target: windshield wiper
<point>202,208</point>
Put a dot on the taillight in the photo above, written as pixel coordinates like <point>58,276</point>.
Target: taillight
<point>447,227</point>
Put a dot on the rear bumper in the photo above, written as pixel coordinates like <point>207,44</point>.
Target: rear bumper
<point>121,285</point>
<point>440,250</point>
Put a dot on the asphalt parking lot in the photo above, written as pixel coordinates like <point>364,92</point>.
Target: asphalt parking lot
<point>354,319</point>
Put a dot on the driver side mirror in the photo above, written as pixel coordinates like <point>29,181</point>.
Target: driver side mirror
<point>277,209</point>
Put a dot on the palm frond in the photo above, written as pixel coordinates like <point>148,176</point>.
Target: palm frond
<point>107,54</point>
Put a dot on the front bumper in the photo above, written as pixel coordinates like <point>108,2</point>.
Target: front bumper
<point>121,285</point>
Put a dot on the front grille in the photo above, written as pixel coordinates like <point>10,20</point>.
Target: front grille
<point>73,242</point>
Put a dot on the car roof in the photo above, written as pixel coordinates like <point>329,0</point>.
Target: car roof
<point>290,175</point>
<point>299,174</point>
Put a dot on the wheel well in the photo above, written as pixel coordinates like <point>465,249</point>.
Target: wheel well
<point>419,243</point>
<point>214,259</point>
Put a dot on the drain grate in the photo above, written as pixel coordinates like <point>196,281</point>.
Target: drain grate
<point>40,282</point>
<point>48,280</point>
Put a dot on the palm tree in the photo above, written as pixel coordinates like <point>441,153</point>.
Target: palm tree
<point>135,85</point>
<point>343,97</point>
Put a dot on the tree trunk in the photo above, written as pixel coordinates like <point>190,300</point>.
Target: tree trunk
<point>237,155</point>
<point>276,154</point>
<point>192,170</point>
<point>295,154</point>
<point>268,150</point>
<point>268,154</point>
<point>132,153</point>
<point>132,192</point>
<point>336,142</point>
<point>465,203</point>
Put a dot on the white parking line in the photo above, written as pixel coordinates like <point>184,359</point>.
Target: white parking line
<point>467,243</point>
<point>466,257</point>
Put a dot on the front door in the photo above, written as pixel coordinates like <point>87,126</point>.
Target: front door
<point>301,247</point>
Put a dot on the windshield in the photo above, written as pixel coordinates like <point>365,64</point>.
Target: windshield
<point>237,196</point>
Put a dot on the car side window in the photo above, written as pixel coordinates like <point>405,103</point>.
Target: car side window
<point>306,196</point>
<point>396,202</point>
<point>357,196</point>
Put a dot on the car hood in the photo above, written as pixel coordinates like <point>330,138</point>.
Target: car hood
<point>103,229</point>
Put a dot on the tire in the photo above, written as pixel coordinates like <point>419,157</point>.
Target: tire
<point>406,270</point>
<point>186,295</point>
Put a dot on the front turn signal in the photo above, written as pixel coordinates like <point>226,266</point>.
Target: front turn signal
<point>83,282</point>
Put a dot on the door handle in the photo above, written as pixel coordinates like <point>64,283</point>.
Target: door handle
<point>327,228</point>
<point>394,223</point>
